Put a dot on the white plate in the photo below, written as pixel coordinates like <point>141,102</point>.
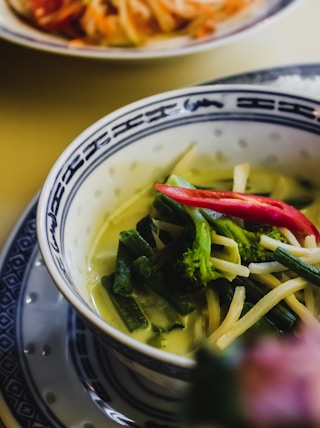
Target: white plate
<point>15,30</point>
<point>53,373</point>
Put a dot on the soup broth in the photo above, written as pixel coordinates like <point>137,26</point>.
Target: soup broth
<point>184,332</point>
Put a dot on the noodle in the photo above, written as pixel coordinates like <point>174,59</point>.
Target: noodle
<point>262,307</point>
<point>240,177</point>
<point>290,237</point>
<point>309,299</point>
<point>232,316</point>
<point>214,312</point>
<point>266,267</point>
<point>299,251</point>
<point>299,308</point>
<point>231,269</point>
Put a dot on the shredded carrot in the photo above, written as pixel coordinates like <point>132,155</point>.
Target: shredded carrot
<point>134,22</point>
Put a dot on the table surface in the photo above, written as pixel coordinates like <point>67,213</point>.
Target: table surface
<point>47,99</point>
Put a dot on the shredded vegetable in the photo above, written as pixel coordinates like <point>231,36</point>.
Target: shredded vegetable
<point>131,22</point>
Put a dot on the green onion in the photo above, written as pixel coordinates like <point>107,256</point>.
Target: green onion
<point>300,267</point>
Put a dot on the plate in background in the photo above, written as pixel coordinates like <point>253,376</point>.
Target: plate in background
<point>14,29</point>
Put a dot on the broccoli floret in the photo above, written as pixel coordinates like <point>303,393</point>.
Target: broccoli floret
<point>195,267</point>
<point>195,264</point>
<point>250,248</point>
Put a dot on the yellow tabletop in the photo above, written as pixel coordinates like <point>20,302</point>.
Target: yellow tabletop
<point>47,99</point>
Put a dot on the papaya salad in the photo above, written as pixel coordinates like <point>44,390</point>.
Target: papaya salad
<point>128,22</point>
<point>211,256</point>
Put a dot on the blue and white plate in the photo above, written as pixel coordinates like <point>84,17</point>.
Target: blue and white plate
<point>53,373</point>
<point>16,30</point>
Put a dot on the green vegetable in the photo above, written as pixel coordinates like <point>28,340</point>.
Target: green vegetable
<point>149,265</point>
<point>135,243</point>
<point>126,306</point>
<point>301,268</point>
<point>161,259</point>
<point>196,261</point>
<point>123,283</point>
<point>195,264</point>
<point>146,228</point>
<point>183,303</point>
<point>162,317</point>
<point>170,210</point>
<point>250,249</point>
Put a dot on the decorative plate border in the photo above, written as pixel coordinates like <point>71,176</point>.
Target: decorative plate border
<point>16,260</point>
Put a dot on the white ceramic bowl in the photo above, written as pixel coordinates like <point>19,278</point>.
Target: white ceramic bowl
<point>136,145</point>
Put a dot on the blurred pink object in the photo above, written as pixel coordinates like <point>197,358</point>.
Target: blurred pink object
<point>280,380</point>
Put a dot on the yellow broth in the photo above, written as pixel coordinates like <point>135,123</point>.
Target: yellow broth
<point>102,261</point>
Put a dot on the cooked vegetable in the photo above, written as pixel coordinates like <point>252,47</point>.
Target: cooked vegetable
<point>123,282</point>
<point>135,243</point>
<point>128,22</point>
<point>195,265</point>
<point>199,274</point>
<point>157,280</point>
<point>169,209</point>
<point>250,248</point>
<point>297,265</point>
<point>250,207</point>
<point>162,317</point>
<point>126,306</point>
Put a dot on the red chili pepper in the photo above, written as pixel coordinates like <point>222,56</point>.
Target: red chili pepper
<point>56,15</point>
<point>261,209</point>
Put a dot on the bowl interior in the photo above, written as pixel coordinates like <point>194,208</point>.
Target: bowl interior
<point>138,145</point>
